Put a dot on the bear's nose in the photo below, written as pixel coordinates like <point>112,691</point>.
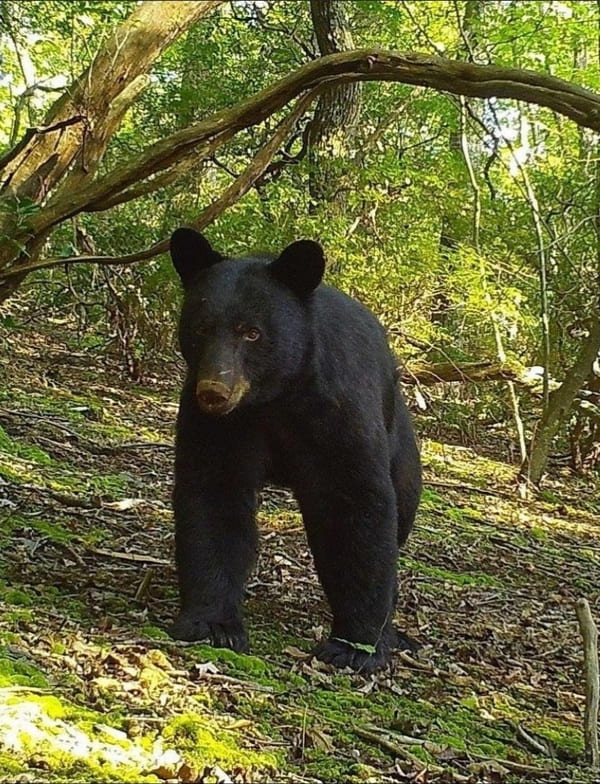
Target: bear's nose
<point>212,394</point>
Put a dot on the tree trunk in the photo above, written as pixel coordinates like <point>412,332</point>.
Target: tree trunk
<point>429,373</point>
<point>64,154</point>
<point>559,405</point>
<point>333,126</point>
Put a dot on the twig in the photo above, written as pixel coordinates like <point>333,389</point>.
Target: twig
<point>80,502</point>
<point>417,665</point>
<point>68,549</point>
<point>516,767</point>
<point>397,749</point>
<point>133,557</point>
<point>471,488</point>
<point>142,590</point>
<point>534,744</point>
<point>88,444</point>
<point>397,736</point>
<point>589,632</point>
<point>217,677</point>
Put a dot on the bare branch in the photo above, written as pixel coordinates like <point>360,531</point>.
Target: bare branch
<point>589,632</point>
<point>230,196</point>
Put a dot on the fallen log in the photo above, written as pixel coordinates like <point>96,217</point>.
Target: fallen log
<point>427,374</point>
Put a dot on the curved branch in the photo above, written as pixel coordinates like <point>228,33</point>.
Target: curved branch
<point>240,186</point>
<point>483,81</point>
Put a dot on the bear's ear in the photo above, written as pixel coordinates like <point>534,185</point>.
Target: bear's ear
<point>191,253</point>
<point>300,267</point>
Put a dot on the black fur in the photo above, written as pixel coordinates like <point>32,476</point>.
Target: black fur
<point>311,403</point>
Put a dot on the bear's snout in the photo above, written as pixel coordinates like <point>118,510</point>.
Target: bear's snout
<point>213,395</point>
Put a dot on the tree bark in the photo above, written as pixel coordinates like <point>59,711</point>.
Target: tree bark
<point>63,155</point>
<point>589,632</point>
<point>99,98</point>
<point>334,122</point>
<point>581,105</point>
<point>427,374</point>
<point>240,186</point>
<point>559,405</point>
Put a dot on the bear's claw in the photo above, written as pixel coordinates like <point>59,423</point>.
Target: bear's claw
<point>224,634</point>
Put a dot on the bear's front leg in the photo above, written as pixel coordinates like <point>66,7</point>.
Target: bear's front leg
<point>351,529</point>
<point>214,500</point>
<point>215,547</point>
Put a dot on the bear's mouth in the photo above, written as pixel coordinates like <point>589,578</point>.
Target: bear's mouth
<point>217,399</point>
<point>216,409</point>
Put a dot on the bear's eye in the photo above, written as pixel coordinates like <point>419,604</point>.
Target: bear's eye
<point>248,333</point>
<point>251,333</point>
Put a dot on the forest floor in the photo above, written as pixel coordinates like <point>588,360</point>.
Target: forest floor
<point>92,689</point>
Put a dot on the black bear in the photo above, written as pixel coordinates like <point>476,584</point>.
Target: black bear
<point>289,381</point>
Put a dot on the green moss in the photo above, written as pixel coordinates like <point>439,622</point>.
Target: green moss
<point>539,533</point>
<point>548,496</point>
<point>207,744</point>
<point>52,706</point>
<point>567,741</point>
<point>13,472</point>
<point>55,531</point>
<point>10,766</point>
<point>61,476</point>
<point>240,662</point>
<point>97,771</point>
<point>327,767</point>
<point>360,772</point>
<point>465,729</point>
<point>154,633</point>
<point>16,596</point>
<point>113,485</point>
<point>14,615</point>
<point>458,578</point>
<point>8,638</point>
<point>64,402</point>
<point>430,499</point>
<point>25,451</point>
<point>15,672</point>
<point>94,752</point>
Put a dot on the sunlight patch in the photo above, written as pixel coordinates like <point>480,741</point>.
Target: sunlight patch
<point>29,726</point>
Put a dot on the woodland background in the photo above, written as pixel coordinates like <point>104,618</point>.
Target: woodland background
<point>446,155</point>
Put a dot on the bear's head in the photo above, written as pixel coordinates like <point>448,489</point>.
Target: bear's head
<point>245,330</point>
